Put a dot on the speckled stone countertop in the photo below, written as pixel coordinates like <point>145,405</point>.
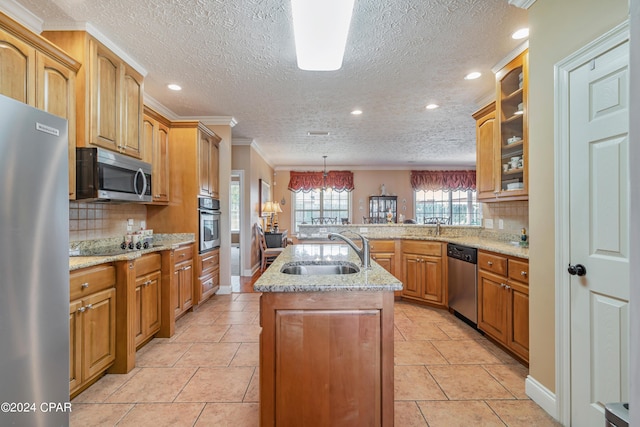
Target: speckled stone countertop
<point>374,279</point>
<point>161,242</point>
<point>476,237</point>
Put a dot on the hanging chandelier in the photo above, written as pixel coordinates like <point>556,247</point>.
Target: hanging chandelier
<point>324,174</point>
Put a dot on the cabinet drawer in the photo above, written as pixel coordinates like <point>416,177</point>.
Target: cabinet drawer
<point>210,283</point>
<point>382,246</point>
<point>183,253</point>
<point>519,270</point>
<point>422,248</point>
<point>209,262</point>
<point>492,262</point>
<point>90,280</point>
<point>147,264</point>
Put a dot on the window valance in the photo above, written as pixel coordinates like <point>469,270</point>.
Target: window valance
<point>443,180</point>
<point>307,181</point>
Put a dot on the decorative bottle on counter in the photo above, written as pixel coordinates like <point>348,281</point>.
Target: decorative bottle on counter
<point>524,238</point>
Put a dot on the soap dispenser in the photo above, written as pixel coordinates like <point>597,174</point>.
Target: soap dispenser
<point>524,238</point>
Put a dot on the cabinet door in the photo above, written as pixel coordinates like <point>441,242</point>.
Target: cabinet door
<point>132,110</point>
<point>138,327</point>
<point>75,346</point>
<point>99,331</point>
<point>432,283</point>
<point>485,155</point>
<point>55,94</point>
<point>386,261</point>
<point>214,159</point>
<point>176,295</point>
<point>105,98</point>
<point>518,315</point>
<point>151,304</point>
<point>412,273</point>
<point>17,69</point>
<point>160,163</point>
<point>492,305</point>
<point>203,164</point>
<point>187,286</point>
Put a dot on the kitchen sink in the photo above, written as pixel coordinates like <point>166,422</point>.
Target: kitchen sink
<point>308,269</point>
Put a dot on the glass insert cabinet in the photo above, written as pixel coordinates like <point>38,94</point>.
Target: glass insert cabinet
<point>380,207</point>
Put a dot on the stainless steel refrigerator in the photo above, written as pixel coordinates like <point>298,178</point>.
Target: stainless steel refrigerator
<point>34,267</point>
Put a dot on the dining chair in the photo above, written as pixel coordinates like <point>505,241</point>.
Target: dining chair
<point>267,255</point>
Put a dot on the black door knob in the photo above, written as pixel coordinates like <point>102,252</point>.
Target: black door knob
<point>577,270</point>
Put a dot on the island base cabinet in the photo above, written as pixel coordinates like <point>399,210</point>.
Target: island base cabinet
<point>326,359</point>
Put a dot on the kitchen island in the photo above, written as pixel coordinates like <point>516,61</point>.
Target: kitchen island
<point>326,347</point>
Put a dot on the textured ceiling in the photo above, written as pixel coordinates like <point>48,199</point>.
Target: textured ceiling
<point>237,58</point>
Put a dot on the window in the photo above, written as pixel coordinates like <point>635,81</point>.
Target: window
<point>457,207</point>
<point>234,205</point>
<point>318,203</point>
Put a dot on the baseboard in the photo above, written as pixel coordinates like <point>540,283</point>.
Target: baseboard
<point>542,396</point>
<point>224,290</point>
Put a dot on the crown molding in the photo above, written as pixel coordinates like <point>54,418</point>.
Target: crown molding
<point>21,14</point>
<point>510,57</point>
<point>241,141</point>
<point>523,4</point>
<point>213,120</point>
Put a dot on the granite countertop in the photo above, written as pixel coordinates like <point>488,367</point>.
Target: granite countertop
<point>476,237</point>
<point>374,279</point>
<point>161,242</point>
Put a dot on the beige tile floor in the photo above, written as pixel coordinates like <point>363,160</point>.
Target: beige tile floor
<point>446,374</point>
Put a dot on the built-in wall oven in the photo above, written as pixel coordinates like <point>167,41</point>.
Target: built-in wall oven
<point>209,232</point>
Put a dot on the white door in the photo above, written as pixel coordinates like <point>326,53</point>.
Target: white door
<point>599,234</point>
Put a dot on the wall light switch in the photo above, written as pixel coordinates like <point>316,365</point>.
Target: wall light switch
<point>500,224</point>
<point>488,223</point>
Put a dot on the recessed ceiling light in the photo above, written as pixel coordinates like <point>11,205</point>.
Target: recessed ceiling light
<point>472,76</point>
<point>432,106</point>
<point>173,86</point>
<point>520,34</point>
<point>356,112</point>
<point>320,29</point>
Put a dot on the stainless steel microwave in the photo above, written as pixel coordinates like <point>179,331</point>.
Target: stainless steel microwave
<point>104,176</point>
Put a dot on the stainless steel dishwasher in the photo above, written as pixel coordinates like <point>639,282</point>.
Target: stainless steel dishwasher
<point>463,281</point>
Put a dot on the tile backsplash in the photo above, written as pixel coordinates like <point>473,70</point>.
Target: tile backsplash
<point>101,220</point>
<point>514,216</point>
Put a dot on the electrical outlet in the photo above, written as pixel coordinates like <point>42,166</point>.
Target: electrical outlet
<point>130,222</point>
<point>364,229</point>
<point>501,224</point>
<point>488,223</point>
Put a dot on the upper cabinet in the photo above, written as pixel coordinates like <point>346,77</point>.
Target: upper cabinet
<point>155,130</point>
<point>208,163</point>
<point>35,72</point>
<point>502,136</point>
<point>110,96</point>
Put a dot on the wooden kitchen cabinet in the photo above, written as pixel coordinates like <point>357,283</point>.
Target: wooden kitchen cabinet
<point>423,272</point>
<point>37,73</point>
<point>109,98</point>
<point>326,358</point>
<point>155,130</point>
<point>182,292</point>
<point>208,163</point>
<point>503,301</point>
<point>147,299</point>
<point>384,253</point>
<point>92,325</point>
<point>485,152</point>
<point>209,274</point>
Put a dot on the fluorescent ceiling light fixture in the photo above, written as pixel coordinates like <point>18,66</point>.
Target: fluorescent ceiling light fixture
<point>173,86</point>
<point>356,112</point>
<point>320,28</point>
<point>520,34</point>
<point>432,106</point>
<point>472,76</point>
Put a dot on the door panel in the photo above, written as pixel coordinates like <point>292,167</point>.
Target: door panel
<point>599,234</point>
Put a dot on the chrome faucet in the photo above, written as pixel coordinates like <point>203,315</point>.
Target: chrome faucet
<point>437,226</point>
<point>364,253</point>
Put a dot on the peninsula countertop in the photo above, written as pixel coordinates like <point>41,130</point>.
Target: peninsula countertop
<point>375,278</point>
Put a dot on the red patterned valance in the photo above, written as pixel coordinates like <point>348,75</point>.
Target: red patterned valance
<point>307,181</point>
<point>443,180</point>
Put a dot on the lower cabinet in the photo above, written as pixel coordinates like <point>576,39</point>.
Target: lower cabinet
<point>503,301</point>
<point>384,253</point>
<point>182,284</point>
<point>423,274</point>
<point>209,274</point>
<point>92,325</point>
<point>326,358</point>
<point>148,297</point>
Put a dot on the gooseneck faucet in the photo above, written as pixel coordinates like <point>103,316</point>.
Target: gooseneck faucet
<point>437,226</point>
<point>364,253</point>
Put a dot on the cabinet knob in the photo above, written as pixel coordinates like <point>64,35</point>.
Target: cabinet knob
<point>81,310</point>
<point>502,285</point>
<point>523,273</point>
<point>489,263</point>
<point>84,285</point>
<point>89,306</point>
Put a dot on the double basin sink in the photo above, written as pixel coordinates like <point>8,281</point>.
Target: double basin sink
<point>319,268</point>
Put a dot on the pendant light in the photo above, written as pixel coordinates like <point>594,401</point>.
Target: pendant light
<point>324,175</point>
